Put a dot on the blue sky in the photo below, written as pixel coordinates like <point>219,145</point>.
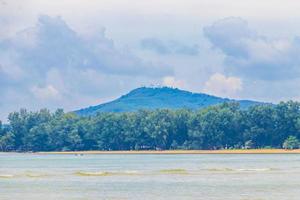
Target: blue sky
<point>74,53</point>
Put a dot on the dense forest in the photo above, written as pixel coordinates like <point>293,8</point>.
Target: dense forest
<point>224,126</point>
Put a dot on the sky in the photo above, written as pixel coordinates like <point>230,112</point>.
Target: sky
<point>72,54</point>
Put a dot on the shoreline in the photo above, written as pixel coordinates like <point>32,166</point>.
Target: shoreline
<point>174,152</point>
<point>164,152</point>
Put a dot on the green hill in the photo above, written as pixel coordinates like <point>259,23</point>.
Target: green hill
<point>160,97</point>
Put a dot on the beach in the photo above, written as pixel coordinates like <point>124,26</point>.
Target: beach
<point>169,152</point>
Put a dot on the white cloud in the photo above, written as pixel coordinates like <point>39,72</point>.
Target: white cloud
<point>170,81</point>
<point>254,56</point>
<point>45,93</point>
<point>10,70</point>
<point>51,43</point>
<point>220,85</point>
<point>168,47</point>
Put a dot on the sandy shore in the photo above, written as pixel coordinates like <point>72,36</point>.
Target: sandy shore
<point>239,151</point>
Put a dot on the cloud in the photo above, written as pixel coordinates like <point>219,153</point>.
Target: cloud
<point>170,47</point>
<point>53,44</point>
<point>171,81</point>
<point>45,93</point>
<point>9,70</point>
<point>51,65</point>
<point>251,55</point>
<point>220,85</point>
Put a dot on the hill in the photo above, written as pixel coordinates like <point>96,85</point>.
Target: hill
<point>160,97</point>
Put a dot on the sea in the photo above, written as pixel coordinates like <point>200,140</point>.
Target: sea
<point>150,177</point>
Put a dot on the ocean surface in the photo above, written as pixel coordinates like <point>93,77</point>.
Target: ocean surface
<point>149,177</point>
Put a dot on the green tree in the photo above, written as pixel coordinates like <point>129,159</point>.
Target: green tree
<point>7,142</point>
<point>215,127</point>
<point>291,143</point>
<point>249,144</point>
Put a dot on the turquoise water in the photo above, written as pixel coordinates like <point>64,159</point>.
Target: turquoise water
<point>118,177</point>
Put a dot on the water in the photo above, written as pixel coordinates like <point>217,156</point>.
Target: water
<point>120,177</point>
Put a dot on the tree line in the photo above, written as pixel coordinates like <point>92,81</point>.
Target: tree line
<point>224,126</point>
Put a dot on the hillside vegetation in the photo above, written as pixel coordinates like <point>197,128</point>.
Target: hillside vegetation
<point>161,98</point>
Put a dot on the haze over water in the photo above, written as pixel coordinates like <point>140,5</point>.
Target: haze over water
<point>212,177</point>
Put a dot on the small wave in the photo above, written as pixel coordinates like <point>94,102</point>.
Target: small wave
<point>173,171</point>
<point>240,169</point>
<point>6,176</point>
<point>105,173</point>
<point>93,173</point>
<point>220,169</point>
<point>34,175</point>
<point>256,170</point>
<point>131,172</point>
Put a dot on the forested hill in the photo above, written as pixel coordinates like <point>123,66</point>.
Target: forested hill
<point>160,98</point>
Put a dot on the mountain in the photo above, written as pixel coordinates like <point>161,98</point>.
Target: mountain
<point>160,97</point>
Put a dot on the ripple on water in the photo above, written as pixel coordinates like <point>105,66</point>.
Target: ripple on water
<point>34,175</point>
<point>173,171</point>
<point>6,176</point>
<point>105,173</point>
<point>241,169</point>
